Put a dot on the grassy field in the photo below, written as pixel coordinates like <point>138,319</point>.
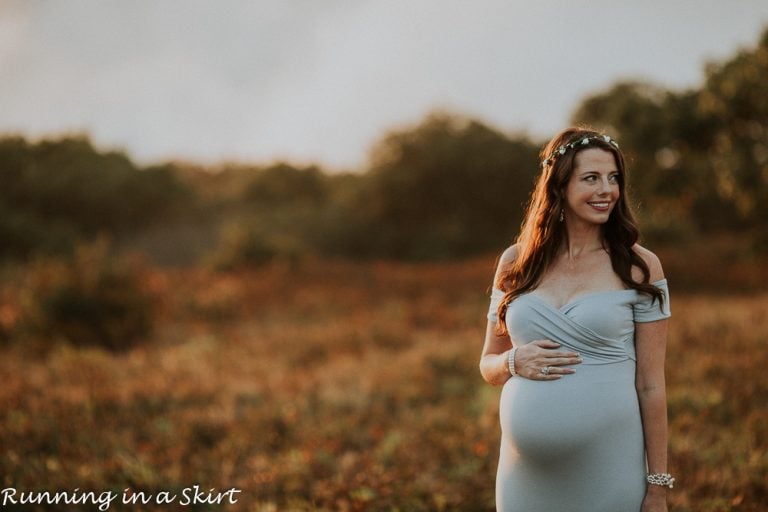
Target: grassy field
<point>340,386</point>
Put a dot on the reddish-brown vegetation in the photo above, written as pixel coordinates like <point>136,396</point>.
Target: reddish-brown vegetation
<point>341,386</point>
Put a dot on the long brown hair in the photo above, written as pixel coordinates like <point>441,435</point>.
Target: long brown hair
<point>542,234</point>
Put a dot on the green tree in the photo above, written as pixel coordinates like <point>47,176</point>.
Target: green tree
<point>734,95</point>
<point>57,191</point>
<point>448,187</point>
<point>279,212</point>
<point>284,186</point>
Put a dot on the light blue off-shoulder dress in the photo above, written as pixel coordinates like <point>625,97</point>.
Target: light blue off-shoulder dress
<point>576,444</point>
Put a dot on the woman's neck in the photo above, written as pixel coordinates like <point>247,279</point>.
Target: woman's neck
<point>582,239</point>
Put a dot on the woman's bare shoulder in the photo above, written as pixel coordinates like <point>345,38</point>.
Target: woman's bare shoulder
<point>651,260</point>
<point>505,260</point>
<point>509,255</point>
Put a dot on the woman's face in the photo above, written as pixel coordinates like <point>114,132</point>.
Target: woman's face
<point>593,189</point>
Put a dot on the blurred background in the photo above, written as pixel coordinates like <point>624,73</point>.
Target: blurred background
<point>249,244</point>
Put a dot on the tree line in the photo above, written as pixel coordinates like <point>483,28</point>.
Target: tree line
<point>448,187</point>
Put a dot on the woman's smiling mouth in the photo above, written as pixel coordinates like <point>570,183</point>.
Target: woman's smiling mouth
<point>601,206</point>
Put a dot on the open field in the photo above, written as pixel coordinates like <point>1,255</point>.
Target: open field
<point>341,386</point>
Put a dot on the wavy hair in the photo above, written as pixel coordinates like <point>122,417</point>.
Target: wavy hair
<point>542,234</point>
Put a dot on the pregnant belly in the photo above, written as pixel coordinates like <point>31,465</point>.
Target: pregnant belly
<point>555,420</point>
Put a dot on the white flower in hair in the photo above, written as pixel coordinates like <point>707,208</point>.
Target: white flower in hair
<point>572,145</point>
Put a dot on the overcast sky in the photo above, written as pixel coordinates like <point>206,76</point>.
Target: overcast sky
<point>321,80</point>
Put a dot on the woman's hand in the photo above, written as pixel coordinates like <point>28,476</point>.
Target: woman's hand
<point>655,500</point>
<point>540,360</point>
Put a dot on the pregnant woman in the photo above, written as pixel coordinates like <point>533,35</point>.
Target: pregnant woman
<point>577,337</point>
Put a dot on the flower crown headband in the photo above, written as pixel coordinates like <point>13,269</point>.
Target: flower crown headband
<point>578,142</point>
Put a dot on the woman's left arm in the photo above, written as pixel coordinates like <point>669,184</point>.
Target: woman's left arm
<point>651,348</point>
<point>651,343</point>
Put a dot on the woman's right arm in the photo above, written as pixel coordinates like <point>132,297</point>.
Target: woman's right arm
<point>494,366</point>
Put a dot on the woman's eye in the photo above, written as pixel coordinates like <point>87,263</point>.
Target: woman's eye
<point>614,177</point>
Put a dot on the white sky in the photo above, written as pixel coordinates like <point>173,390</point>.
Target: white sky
<point>321,80</point>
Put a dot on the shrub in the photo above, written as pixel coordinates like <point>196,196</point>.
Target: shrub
<point>251,243</point>
<point>90,299</point>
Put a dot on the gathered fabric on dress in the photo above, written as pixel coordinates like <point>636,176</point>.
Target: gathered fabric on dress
<point>575,443</point>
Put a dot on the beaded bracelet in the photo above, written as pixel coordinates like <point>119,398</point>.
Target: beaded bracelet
<point>511,361</point>
<point>662,479</point>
